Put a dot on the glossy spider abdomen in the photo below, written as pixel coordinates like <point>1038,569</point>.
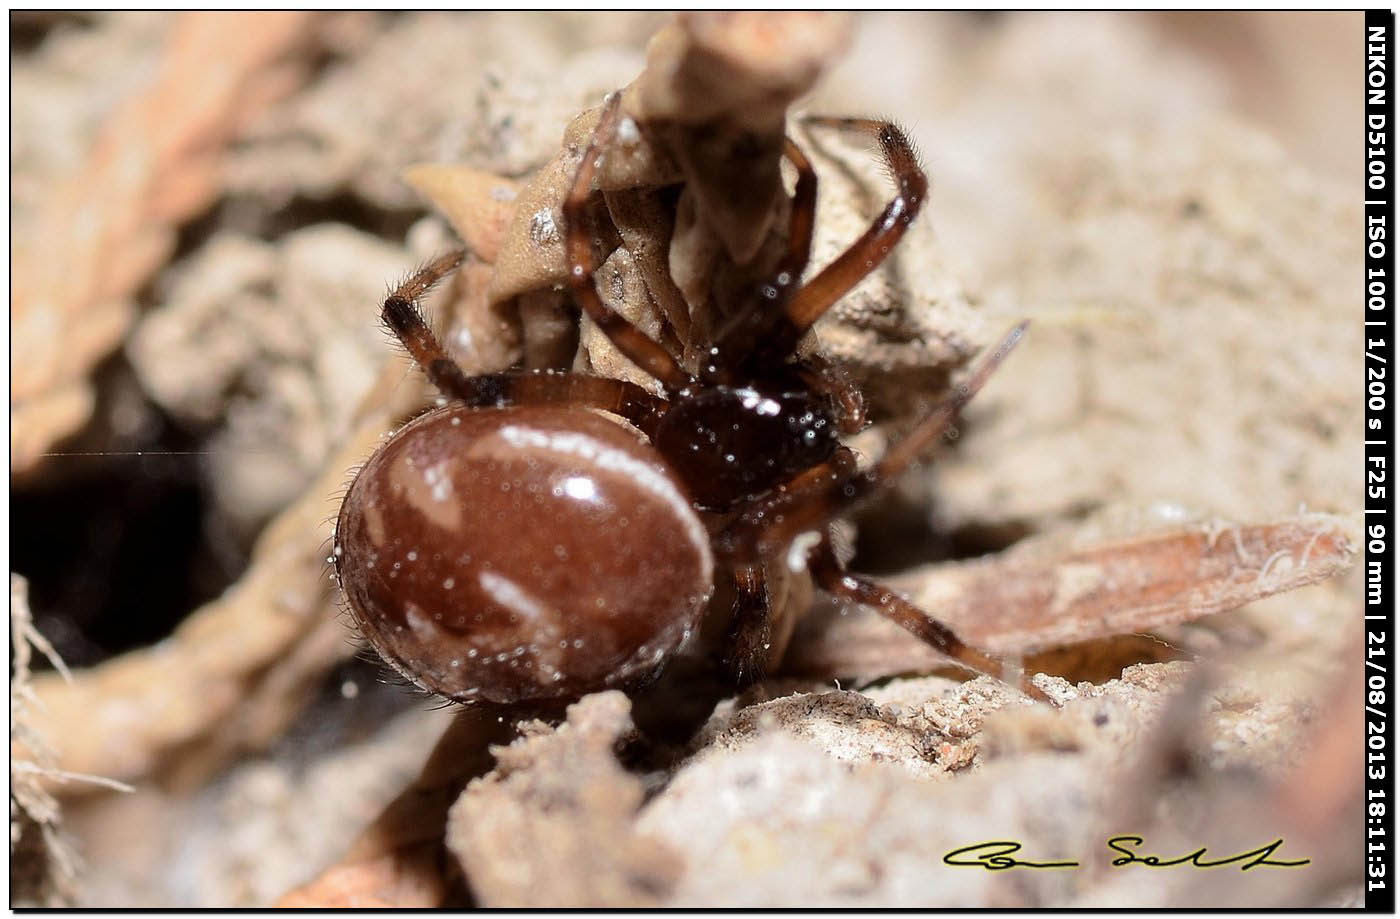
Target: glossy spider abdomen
<point>524,553</point>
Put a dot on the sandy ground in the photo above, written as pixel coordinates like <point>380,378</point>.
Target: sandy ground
<point>199,256</point>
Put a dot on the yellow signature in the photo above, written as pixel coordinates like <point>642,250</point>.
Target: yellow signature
<point>998,855</point>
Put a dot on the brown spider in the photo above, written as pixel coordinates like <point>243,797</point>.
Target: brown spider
<point>517,545</point>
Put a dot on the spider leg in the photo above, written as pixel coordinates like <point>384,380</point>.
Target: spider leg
<point>801,222</point>
<point>634,345</point>
<point>750,634</point>
<point>866,253</point>
<point>824,377</point>
<point>905,453</point>
<point>544,387</point>
<point>829,575</point>
<point>403,317</point>
<point>519,387</point>
<point>750,627</point>
<point>812,500</point>
<point>736,342</point>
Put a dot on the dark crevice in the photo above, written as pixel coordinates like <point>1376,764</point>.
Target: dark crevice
<point>975,539</point>
<point>344,207</point>
<point>119,546</point>
<point>249,217</point>
<point>352,706</point>
<point>898,532</point>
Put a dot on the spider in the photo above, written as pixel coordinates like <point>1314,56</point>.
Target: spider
<point>519,545</point>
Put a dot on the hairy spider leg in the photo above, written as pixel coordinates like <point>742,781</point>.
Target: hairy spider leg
<point>751,616</point>
<point>801,221</point>
<point>830,575</point>
<point>761,337</point>
<point>750,626</point>
<point>834,281</point>
<point>518,387</point>
<point>823,376</point>
<point>634,345</point>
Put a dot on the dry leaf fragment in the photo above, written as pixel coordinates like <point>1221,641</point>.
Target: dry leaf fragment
<point>1040,596</point>
<point>479,205</point>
